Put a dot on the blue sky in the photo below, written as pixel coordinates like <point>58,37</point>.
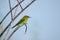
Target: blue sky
<point>44,24</point>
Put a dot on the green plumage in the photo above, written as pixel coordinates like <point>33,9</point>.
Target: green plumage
<point>21,21</point>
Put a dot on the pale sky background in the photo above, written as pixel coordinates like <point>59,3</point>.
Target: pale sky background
<point>44,24</point>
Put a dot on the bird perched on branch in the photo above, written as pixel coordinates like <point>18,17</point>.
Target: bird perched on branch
<point>23,21</point>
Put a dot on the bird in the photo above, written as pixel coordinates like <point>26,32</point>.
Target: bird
<point>23,21</point>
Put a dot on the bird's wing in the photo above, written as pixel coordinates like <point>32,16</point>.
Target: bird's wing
<point>18,23</point>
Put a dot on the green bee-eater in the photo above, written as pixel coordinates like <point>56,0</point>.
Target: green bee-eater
<point>23,21</point>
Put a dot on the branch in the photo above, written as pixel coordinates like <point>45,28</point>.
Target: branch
<point>6,16</point>
<point>24,9</point>
<point>10,11</point>
<point>16,17</point>
<point>14,31</point>
<point>11,19</point>
<point>20,4</point>
<point>15,12</point>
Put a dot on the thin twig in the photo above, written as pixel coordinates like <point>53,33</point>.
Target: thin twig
<point>10,11</point>
<point>14,31</point>
<point>6,34</point>
<point>6,16</point>
<point>16,17</point>
<point>11,19</point>
<point>15,12</point>
<point>20,5</point>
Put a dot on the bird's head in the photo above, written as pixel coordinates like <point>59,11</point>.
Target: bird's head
<point>26,16</point>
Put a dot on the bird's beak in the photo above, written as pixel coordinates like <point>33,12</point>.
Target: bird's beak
<point>29,17</point>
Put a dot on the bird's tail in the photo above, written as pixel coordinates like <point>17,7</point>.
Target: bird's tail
<point>14,26</point>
